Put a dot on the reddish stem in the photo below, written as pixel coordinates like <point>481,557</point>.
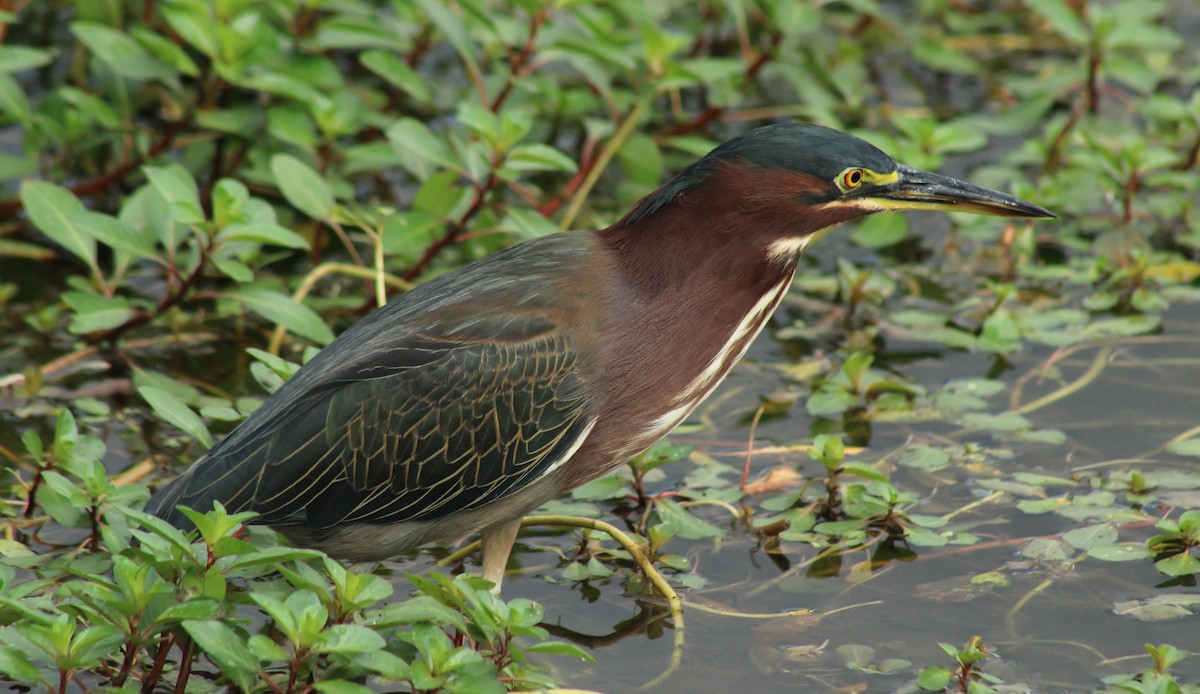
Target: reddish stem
<point>586,164</point>
<point>185,667</point>
<point>160,661</point>
<point>454,230</point>
<point>141,317</point>
<point>1130,191</point>
<point>519,63</point>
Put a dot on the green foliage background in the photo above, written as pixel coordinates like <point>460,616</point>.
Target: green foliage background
<point>183,179</point>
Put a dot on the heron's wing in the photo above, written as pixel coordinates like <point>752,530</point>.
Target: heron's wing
<point>436,403</point>
<point>418,431</point>
<point>452,434</point>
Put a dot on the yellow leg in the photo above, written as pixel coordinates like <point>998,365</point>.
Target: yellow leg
<point>497,541</point>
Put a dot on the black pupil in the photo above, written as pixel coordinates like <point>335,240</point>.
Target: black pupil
<point>855,177</point>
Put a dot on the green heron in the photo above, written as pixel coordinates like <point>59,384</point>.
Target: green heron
<point>469,401</point>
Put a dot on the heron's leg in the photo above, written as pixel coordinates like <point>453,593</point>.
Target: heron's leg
<point>497,542</point>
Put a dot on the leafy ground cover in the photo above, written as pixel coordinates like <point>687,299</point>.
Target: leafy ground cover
<point>961,432</point>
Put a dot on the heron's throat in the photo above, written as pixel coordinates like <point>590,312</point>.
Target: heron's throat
<point>723,359</point>
<point>787,250</point>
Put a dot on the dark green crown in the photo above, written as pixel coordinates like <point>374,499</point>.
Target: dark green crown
<point>810,149</point>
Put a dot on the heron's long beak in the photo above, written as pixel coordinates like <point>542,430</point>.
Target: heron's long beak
<point>914,189</point>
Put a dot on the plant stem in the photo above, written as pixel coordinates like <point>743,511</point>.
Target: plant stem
<point>602,161</point>
<point>185,666</point>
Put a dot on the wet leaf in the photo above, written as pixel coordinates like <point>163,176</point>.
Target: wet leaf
<point>1091,536</point>
<point>264,233</point>
<point>1186,447</point>
<point>683,523</point>
<point>176,412</point>
<point>1160,608</point>
<point>1121,551</point>
<point>1182,564</point>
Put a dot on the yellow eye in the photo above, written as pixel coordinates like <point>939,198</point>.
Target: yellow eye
<point>852,178</point>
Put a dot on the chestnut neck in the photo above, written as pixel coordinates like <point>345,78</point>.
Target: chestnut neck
<point>721,230</point>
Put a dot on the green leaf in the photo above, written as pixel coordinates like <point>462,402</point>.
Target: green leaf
<point>1122,551</point>
<point>177,188</point>
<point>195,608</point>
<point>226,648</point>
<point>25,251</point>
<point>934,53</point>
<point>230,199</point>
<point>195,26</point>
<point>443,17</point>
<point>397,72</point>
<point>641,160</point>
<point>348,638</point>
<point>113,233</point>
<point>1185,447</point>
<point>91,106</point>
<point>880,231</point>
<point>408,233</point>
<point>288,87</point>
<point>422,608</point>
<point>539,157</point>
<point>1182,564</point>
<point>1091,536</point>
<point>934,679</point>
<point>285,311</point>
<point>831,401</point>
<point>95,312</point>
<point>606,487</point>
<point>1062,18</point>
<point>51,208</point>
<point>1001,334</point>
<point>165,50</point>
<point>1124,326</point>
<point>925,457</point>
<point>440,195</point>
<point>119,52</point>
<point>271,556</point>
<point>856,656</point>
<point>559,648</point>
<point>863,470</point>
<point>682,523</point>
<point>420,149</point>
<point>264,233</point>
<point>15,665</point>
<point>22,58</point>
<point>957,137</point>
<point>237,271</point>
<point>13,100</point>
<point>93,643</point>
<point>304,188</point>
<point>922,537</point>
<point>661,453</point>
<point>385,664</point>
<point>176,412</point>
<point>480,120</point>
<point>282,367</point>
<point>528,224</point>
<point>1160,608</point>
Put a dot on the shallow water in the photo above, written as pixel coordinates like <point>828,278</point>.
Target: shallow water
<point>1052,627</point>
